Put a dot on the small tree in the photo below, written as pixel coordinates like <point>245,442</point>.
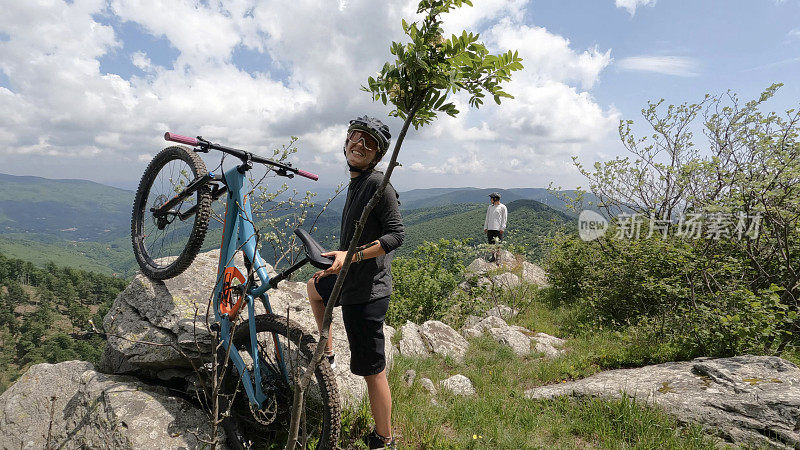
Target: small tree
<point>426,71</point>
<point>749,174</point>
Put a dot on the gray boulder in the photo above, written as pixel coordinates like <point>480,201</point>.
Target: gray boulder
<point>520,343</point>
<point>71,406</point>
<point>443,340</point>
<point>157,329</point>
<point>411,342</point>
<point>409,376</point>
<point>507,260</point>
<point>428,385</point>
<point>506,280</point>
<point>549,345</point>
<point>502,311</point>
<point>478,267</point>
<point>483,325</point>
<point>458,385</point>
<point>754,400</point>
<point>533,274</point>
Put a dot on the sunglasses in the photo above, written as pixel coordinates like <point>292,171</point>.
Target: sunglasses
<point>367,141</point>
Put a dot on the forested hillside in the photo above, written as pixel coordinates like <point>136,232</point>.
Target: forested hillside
<point>45,314</point>
<point>86,225</point>
<point>529,223</point>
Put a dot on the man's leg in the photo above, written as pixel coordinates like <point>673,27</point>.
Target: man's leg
<point>380,402</point>
<point>318,308</point>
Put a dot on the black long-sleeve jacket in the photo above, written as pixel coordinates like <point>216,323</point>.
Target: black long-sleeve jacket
<point>370,279</point>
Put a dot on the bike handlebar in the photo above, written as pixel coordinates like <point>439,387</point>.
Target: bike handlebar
<point>310,175</point>
<point>182,139</point>
<point>243,155</point>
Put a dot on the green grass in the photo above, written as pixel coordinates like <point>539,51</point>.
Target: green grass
<point>499,416</point>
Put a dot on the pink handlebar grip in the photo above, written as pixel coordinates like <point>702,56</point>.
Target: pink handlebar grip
<point>310,175</point>
<point>178,138</point>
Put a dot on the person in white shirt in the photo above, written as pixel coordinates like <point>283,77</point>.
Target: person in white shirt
<point>495,224</point>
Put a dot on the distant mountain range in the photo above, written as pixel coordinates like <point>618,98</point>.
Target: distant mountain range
<point>86,224</point>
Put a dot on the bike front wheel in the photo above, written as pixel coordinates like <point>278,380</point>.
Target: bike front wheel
<point>165,246</point>
<point>281,341</point>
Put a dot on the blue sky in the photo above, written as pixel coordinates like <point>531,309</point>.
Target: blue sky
<point>90,86</point>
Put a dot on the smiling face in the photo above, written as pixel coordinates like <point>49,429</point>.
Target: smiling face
<point>361,149</point>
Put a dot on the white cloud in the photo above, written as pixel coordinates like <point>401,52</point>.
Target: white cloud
<point>482,12</point>
<point>60,104</point>
<point>631,5</point>
<point>667,65</point>
<point>140,60</point>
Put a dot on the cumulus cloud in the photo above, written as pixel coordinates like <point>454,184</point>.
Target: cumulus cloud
<point>631,5</point>
<point>60,103</point>
<point>667,65</point>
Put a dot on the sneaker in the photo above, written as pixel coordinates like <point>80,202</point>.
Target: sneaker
<point>377,442</point>
<point>331,359</point>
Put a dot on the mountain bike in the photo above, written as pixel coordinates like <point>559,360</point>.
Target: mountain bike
<point>169,222</point>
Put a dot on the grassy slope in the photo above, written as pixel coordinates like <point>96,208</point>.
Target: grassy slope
<point>499,416</point>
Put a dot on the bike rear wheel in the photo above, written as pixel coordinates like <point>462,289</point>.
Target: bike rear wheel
<point>164,247</point>
<point>320,424</point>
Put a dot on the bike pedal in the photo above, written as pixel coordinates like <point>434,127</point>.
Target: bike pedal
<point>215,327</point>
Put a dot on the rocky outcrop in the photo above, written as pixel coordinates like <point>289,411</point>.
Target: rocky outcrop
<point>509,273</point>
<point>158,329</point>
<point>516,337</point>
<point>71,406</point>
<point>745,399</point>
<point>432,337</point>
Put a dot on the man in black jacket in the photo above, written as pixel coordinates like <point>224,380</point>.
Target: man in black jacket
<point>368,285</point>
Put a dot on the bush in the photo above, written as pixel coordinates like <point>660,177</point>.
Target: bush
<point>669,289</point>
<point>423,283</point>
<point>720,291</point>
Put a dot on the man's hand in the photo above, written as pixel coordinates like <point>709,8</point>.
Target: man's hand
<point>501,232</point>
<point>338,262</point>
<point>485,231</point>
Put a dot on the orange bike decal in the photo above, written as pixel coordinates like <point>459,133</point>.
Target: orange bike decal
<point>231,278</point>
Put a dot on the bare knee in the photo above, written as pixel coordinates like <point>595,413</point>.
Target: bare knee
<point>375,378</point>
<point>313,295</point>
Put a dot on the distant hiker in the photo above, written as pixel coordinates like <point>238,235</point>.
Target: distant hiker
<point>495,224</point>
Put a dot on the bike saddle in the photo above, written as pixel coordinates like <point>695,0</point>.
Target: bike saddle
<point>314,251</point>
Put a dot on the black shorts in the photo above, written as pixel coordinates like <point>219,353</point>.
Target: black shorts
<point>364,326</point>
<point>492,234</point>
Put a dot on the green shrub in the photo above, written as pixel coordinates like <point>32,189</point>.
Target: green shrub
<point>424,282</point>
<point>670,289</point>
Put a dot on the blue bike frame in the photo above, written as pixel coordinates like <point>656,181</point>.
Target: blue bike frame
<point>239,223</point>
